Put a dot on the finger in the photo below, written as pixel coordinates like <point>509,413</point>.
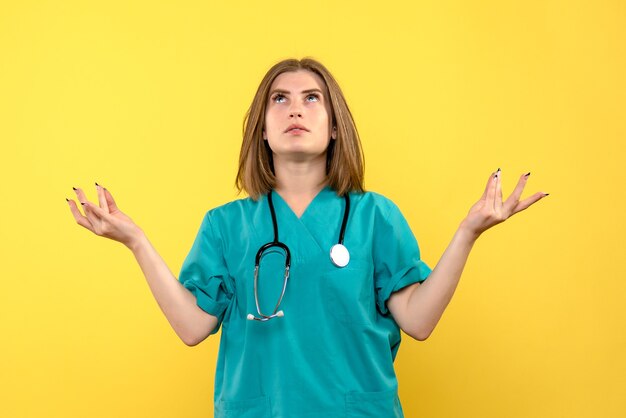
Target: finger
<point>96,212</point>
<point>92,212</point>
<point>80,194</point>
<point>110,201</point>
<point>528,201</point>
<point>489,181</point>
<point>80,219</point>
<point>97,216</point>
<point>491,190</point>
<point>92,215</point>
<point>82,198</point>
<point>498,197</point>
<point>513,200</point>
<point>101,198</point>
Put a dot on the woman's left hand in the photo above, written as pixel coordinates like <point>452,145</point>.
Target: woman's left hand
<point>490,210</point>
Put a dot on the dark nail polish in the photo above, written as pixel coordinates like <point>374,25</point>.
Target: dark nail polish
<point>74,188</point>
<point>82,203</point>
<point>527,174</point>
<point>67,200</point>
<point>97,184</point>
<point>546,194</point>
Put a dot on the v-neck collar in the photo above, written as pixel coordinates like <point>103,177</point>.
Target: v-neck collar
<point>321,195</point>
<point>311,227</point>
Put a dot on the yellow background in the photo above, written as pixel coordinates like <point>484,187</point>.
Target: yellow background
<point>148,99</point>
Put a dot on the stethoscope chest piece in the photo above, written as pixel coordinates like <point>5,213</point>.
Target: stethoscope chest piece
<point>339,255</point>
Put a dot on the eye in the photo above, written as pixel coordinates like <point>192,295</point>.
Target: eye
<point>317,97</point>
<point>277,96</point>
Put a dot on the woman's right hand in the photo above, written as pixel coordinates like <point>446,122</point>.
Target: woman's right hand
<point>106,220</point>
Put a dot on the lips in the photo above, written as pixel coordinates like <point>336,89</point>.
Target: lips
<point>296,126</point>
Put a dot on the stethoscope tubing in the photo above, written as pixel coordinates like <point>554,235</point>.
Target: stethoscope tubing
<point>276,243</point>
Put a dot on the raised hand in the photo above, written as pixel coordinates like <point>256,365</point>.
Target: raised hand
<point>490,210</point>
<point>106,220</point>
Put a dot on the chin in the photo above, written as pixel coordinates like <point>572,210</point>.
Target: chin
<point>301,154</point>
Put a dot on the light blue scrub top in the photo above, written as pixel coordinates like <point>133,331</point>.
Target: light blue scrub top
<point>332,353</point>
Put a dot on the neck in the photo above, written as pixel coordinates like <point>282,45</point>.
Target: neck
<point>300,178</point>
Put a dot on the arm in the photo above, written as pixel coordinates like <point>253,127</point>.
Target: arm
<point>418,307</point>
<point>190,323</point>
<point>428,300</point>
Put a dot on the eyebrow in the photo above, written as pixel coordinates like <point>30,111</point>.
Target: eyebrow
<point>303,91</point>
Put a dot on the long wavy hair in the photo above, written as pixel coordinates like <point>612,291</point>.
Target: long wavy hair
<point>344,156</point>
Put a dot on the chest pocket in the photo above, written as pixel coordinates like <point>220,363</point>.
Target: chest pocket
<point>350,293</point>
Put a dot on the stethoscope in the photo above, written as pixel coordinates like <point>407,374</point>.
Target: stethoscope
<point>339,255</point>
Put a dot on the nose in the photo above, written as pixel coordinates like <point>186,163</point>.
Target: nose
<point>295,111</point>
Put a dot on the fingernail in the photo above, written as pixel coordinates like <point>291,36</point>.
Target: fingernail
<point>97,185</point>
<point>74,188</point>
<point>67,200</point>
<point>546,194</point>
<point>82,203</point>
<point>527,174</point>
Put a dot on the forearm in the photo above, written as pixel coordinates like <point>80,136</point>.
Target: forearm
<point>178,304</point>
<point>428,301</point>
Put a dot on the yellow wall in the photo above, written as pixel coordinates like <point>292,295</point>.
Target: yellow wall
<point>148,99</point>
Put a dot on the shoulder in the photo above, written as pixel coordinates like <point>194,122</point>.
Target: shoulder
<point>374,201</point>
<point>233,207</point>
<point>227,212</point>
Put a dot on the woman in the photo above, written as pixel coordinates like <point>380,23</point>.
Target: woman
<point>311,321</point>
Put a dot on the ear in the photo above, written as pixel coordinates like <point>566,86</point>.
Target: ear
<point>264,137</point>
<point>333,135</point>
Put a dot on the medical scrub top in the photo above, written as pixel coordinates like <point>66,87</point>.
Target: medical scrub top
<point>332,353</point>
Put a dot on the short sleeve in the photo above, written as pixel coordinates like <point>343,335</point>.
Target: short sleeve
<point>204,272</point>
<point>397,261</point>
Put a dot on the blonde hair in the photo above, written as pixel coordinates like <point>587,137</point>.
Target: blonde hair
<point>345,162</point>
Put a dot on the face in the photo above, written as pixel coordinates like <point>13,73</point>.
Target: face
<point>298,97</point>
